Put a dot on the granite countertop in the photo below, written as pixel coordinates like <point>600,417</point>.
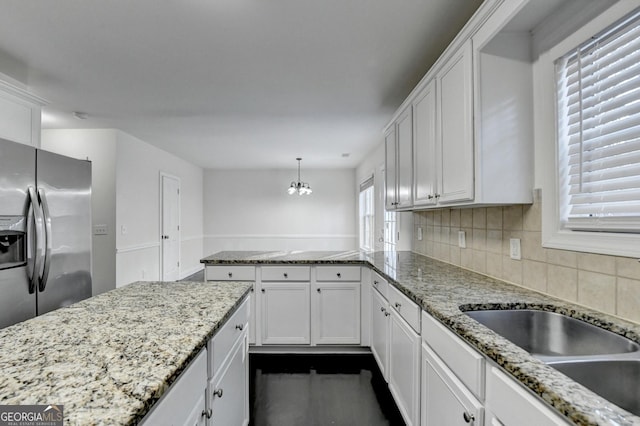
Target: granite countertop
<point>109,358</point>
<point>443,290</point>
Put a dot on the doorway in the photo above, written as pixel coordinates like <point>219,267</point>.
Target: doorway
<point>169,227</point>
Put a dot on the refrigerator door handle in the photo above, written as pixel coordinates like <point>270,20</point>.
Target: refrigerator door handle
<point>34,206</point>
<point>42,197</point>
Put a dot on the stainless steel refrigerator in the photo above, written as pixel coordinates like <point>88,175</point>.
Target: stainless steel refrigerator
<point>45,231</point>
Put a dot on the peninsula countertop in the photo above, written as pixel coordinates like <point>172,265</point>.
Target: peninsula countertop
<point>445,291</point>
<point>109,358</point>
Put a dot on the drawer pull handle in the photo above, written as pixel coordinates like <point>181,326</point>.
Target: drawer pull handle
<point>386,314</point>
<point>397,305</point>
<point>262,290</point>
<point>318,290</point>
<point>230,274</point>
<point>207,413</point>
<point>239,327</point>
<point>218,393</point>
<point>468,417</point>
<point>382,309</point>
<point>339,275</point>
<point>286,275</point>
<point>375,283</point>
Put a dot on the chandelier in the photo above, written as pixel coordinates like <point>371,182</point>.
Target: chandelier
<point>299,187</point>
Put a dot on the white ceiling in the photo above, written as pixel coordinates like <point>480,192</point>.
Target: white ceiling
<point>230,83</point>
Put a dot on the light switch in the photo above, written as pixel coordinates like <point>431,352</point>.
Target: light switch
<point>514,244</point>
<point>100,230</point>
<point>462,239</point>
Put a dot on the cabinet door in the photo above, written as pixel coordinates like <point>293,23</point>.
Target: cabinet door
<point>198,415</point>
<point>424,146</point>
<point>285,309</point>
<point>404,137</point>
<point>455,107</point>
<point>445,400</point>
<point>390,169</point>
<point>228,397</point>
<point>336,313</point>
<point>404,368</point>
<point>380,331</point>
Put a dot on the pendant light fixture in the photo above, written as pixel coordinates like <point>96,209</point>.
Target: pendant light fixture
<point>299,187</point>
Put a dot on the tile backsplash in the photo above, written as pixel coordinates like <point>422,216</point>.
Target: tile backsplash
<point>609,284</point>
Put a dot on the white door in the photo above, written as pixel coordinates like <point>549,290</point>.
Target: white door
<point>170,232</point>
<point>336,313</point>
<point>286,313</point>
<point>404,368</point>
<point>380,332</point>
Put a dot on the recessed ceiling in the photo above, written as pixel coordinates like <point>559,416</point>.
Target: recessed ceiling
<point>230,83</point>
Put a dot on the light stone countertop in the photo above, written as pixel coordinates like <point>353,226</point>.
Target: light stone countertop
<point>109,358</point>
<point>443,290</point>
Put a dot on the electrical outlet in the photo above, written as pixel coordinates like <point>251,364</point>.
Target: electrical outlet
<point>462,239</point>
<point>100,230</point>
<point>419,233</point>
<point>514,251</point>
<point>123,230</point>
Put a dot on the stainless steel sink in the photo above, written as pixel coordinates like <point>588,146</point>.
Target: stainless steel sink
<point>547,335</point>
<point>615,380</point>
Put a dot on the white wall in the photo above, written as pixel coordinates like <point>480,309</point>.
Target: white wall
<point>100,147</point>
<point>138,167</point>
<point>251,210</point>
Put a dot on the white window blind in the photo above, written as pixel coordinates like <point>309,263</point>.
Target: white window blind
<point>598,95</point>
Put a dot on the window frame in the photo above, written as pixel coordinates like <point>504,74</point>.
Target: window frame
<point>368,191</point>
<point>547,160</point>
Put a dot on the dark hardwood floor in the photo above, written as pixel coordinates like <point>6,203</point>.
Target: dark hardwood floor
<point>319,390</point>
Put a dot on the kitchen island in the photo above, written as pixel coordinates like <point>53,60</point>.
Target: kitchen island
<point>444,291</point>
<point>109,358</point>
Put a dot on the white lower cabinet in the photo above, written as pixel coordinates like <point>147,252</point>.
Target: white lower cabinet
<point>380,331</point>
<point>445,399</point>
<point>335,313</point>
<point>285,313</point>
<point>404,368</point>
<point>227,392</point>
<point>185,398</point>
<point>511,404</point>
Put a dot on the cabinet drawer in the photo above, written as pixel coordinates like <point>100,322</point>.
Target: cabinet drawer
<point>464,361</point>
<point>380,284</point>
<point>405,307</point>
<point>511,403</point>
<point>221,343</point>
<point>286,273</point>
<point>338,273</point>
<point>231,273</point>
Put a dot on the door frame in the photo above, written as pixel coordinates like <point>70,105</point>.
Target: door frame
<point>160,224</point>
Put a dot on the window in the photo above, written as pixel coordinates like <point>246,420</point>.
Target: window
<point>598,116</point>
<point>367,215</point>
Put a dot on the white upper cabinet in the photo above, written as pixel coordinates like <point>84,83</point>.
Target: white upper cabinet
<point>390,169</point>
<point>472,119</point>
<point>404,151</point>
<point>424,146</point>
<point>20,115</point>
<point>455,108</point>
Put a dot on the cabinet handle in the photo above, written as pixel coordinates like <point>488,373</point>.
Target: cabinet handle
<point>207,413</point>
<point>397,305</point>
<point>437,195</point>
<point>468,417</point>
<point>230,274</point>
<point>262,290</point>
<point>386,314</point>
<point>252,290</point>
<point>339,275</point>
<point>286,275</point>
<point>382,309</point>
<point>375,283</point>
<point>239,327</point>
<point>318,290</point>
<point>218,393</point>
<point>430,197</point>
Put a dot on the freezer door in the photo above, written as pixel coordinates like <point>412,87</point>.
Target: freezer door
<point>17,174</point>
<point>64,190</point>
